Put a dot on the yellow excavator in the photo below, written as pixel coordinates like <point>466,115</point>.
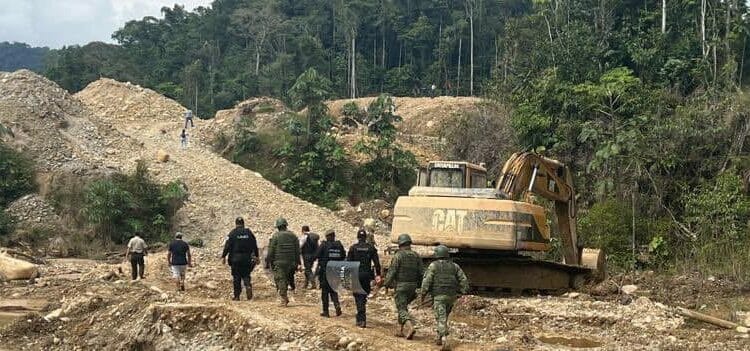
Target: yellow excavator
<point>498,234</point>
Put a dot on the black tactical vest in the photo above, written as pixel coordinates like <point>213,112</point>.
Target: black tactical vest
<point>362,252</point>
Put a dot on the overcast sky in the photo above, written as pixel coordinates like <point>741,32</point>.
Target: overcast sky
<point>55,23</point>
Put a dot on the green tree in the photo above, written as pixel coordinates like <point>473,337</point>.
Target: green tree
<point>16,175</point>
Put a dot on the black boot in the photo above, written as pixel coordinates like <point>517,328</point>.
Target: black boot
<point>336,304</point>
<point>249,291</point>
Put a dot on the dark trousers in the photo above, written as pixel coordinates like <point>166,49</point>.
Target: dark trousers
<point>241,274</point>
<point>292,284</point>
<point>361,299</point>
<point>308,261</point>
<point>137,265</point>
<point>326,292</point>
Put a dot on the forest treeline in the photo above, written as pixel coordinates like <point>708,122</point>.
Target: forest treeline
<point>15,56</point>
<point>643,99</point>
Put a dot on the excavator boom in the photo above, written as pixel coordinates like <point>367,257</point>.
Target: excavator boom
<point>529,173</point>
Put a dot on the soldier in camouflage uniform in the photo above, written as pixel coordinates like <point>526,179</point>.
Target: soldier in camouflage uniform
<point>284,258</point>
<point>444,280</point>
<point>406,272</point>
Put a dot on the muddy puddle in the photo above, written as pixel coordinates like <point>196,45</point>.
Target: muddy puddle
<point>572,342</point>
<point>12,309</point>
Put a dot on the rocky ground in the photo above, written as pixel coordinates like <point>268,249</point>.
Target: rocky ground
<point>92,305</point>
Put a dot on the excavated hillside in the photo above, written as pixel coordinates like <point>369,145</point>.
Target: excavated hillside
<point>92,305</point>
<point>422,116</point>
<point>219,190</point>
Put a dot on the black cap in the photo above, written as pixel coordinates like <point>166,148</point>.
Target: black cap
<point>305,228</point>
<point>239,221</point>
<point>361,233</point>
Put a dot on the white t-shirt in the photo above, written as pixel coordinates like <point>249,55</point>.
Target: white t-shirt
<point>137,245</point>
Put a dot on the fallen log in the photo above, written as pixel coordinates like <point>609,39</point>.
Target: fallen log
<point>706,318</point>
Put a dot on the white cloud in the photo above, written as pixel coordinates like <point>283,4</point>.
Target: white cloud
<point>55,23</point>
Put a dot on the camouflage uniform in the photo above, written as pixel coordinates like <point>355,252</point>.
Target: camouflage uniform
<point>444,280</point>
<point>284,253</point>
<point>405,271</point>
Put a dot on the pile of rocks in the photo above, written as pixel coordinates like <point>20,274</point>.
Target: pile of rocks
<point>124,103</point>
<point>44,97</point>
<point>376,216</point>
<point>32,210</point>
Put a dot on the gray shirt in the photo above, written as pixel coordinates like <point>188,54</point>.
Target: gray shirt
<point>137,245</point>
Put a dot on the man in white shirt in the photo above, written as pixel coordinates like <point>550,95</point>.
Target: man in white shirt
<point>189,118</point>
<point>137,248</point>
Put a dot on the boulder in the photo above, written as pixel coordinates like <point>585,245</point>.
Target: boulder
<point>384,214</point>
<point>629,289</point>
<point>162,156</point>
<point>369,223</point>
<point>15,269</point>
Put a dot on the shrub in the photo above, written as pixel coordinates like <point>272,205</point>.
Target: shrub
<point>609,225</point>
<point>7,224</point>
<point>123,205</point>
<point>16,175</point>
<point>481,136</point>
<point>718,214</point>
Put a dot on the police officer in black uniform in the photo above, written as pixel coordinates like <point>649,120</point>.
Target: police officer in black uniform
<point>329,250</point>
<point>242,249</point>
<point>367,256</point>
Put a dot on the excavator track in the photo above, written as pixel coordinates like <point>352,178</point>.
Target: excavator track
<point>513,273</point>
<point>521,273</point>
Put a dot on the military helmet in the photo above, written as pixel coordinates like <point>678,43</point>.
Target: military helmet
<point>404,239</point>
<point>281,222</point>
<point>239,221</point>
<point>361,233</point>
<point>441,251</point>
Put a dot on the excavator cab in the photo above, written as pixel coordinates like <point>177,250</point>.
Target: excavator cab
<point>452,174</point>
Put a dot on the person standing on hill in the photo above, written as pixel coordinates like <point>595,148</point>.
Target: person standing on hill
<point>405,272</point>
<point>183,139</point>
<point>444,280</point>
<point>189,118</point>
<point>329,250</point>
<point>367,256</point>
<point>309,247</point>
<point>284,257</point>
<point>136,250</point>
<point>179,259</point>
<point>241,249</point>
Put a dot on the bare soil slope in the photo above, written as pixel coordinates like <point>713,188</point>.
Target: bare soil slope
<point>422,116</point>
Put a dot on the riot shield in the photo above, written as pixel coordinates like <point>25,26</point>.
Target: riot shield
<point>344,275</point>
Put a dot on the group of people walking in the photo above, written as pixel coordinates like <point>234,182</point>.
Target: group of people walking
<point>443,279</point>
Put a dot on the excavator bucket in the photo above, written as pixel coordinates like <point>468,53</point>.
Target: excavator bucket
<point>344,275</point>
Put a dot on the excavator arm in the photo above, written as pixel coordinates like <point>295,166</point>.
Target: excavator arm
<point>527,173</point>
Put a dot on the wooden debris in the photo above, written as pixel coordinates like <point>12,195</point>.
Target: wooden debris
<point>706,318</point>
